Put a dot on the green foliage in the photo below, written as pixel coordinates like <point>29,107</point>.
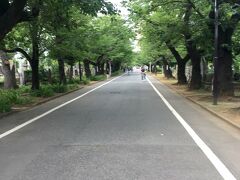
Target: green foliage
<point>74,81</point>
<point>85,80</point>
<point>24,89</point>
<point>98,78</point>
<point>23,100</point>
<point>11,97</point>
<point>59,88</point>
<point>116,73</point>
<point>73,86</point>
<point>5,104</point>
<point>44,91</point>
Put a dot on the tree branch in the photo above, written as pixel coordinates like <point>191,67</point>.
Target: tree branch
<point>20,50</point>
<point>174,51</point>
<point>195,8</point>
<point>11,17</point>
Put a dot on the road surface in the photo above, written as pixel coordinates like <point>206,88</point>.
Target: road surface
<point>118,131</point>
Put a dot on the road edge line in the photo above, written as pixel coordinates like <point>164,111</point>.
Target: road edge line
<point>224,119</point>
<point>52,110</point>
<point>217,163</point>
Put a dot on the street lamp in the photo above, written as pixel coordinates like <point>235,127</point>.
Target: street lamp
<point>215,62</point>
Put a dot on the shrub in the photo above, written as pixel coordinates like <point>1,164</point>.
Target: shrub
<point>72,86</point>
<point>24,89</point>
<point>44,91</point>
<point>10,95</point>
<point>85,81</point>
<point>59,88</point>
<point>98,78</point>
<point>5,104</point>
<point>23,100</point>
<point>116,73</point>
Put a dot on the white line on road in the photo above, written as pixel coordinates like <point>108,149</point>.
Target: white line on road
<point>50,111</point>
<point>218,164</point>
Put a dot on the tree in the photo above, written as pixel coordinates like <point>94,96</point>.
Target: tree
<point>12,13</point>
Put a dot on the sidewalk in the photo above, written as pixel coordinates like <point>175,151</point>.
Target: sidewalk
<point>228,109</point>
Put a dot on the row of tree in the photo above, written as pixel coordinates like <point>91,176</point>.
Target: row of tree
<point>72,31</point>
<point>184,30</point>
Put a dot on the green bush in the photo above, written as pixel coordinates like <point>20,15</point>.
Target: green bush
<point>5,104</point>
<point>116,73</point>
<point>85,81</point>
<point>44,91</point>
<point>24,89</point>
<point>10,95</point>
<point>77,81</point>
<point>71,81</point>
<point>23,100</point>
<point>59,88</point>
<point>72,86</point>
<point>98,78</point>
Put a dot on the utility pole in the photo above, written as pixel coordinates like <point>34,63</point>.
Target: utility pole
<point>215,62</point>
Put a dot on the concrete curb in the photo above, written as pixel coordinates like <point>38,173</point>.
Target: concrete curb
<point>203,107</point>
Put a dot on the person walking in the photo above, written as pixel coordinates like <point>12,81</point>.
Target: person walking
<point>143,74</point>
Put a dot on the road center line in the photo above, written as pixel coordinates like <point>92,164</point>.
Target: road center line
<point>218,164</point>
<point>51,110</point>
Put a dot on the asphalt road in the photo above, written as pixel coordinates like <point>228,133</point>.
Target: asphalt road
<point>122,130</point>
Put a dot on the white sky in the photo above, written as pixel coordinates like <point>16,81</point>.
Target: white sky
<point>118,5</point>
<point>125,13</point>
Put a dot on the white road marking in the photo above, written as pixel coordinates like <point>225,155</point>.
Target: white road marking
<point>217,163</point>
<point>50,111</point>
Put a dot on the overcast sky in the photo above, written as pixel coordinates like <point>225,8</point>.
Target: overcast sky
<point>118,5</point>
<point>124,13</point>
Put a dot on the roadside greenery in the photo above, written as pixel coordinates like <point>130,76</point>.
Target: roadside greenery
<point>182,33</point>
<point>62,40</point>
<point>26,96</point>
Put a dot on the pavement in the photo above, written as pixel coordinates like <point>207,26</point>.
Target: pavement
<point>122,130</point>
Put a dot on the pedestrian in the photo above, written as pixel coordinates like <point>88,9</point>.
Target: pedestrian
<point>128,70</point>
<point>143,74</point>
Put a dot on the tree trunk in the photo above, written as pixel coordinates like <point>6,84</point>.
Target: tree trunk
<point>100,65</point>
<point>87,68</point>
<point>102,68</point>
<point>110,68</point>
<point>196,79</point>
<point>181,64</point>
<point>181,75</point>
<point>155,68</point>
<point>35,74</point>
<point>50,76</point>
<point>225,61</point>
<point>166,69</point>
<point>61,70</point>
<point>34,29</point>
<point>8,72</point>
<point>80,70</point>
<point>71,73</point>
